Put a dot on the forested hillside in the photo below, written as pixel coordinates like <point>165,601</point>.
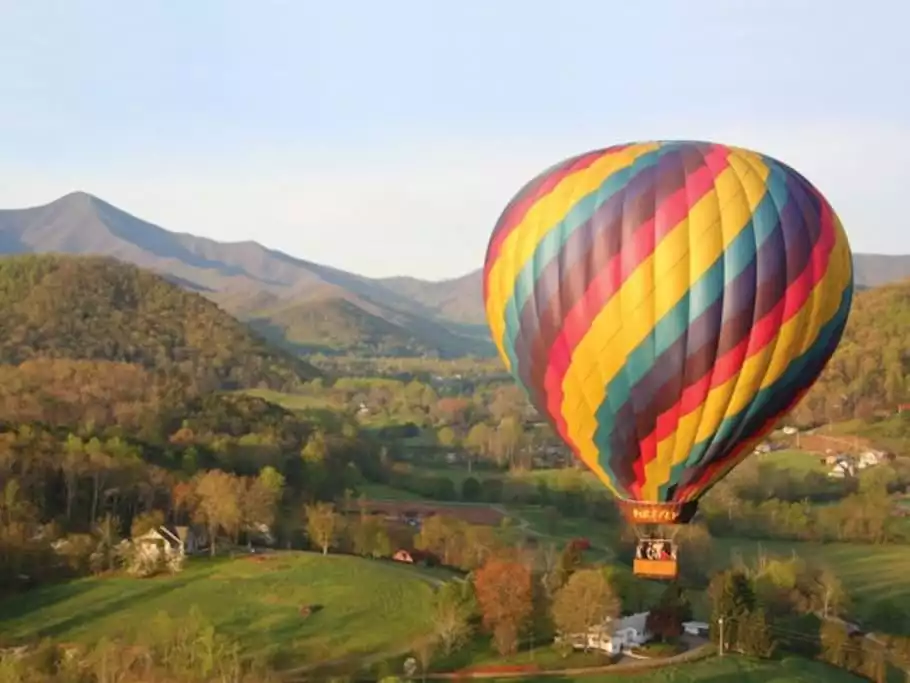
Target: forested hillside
<point>116,414</point>
<point>870,371</point>
<point>91,308</point>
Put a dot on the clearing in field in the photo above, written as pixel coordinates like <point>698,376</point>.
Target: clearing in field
<point>367,606</point>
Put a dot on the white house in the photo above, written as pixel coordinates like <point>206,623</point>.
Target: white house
<point>169,540</point>
<point>158,542</point>
<point>869,459</point>
<point>614,636</point>
<point>842,469</point>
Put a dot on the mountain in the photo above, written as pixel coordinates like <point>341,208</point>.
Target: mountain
<point>274,291</point>
<point>100,309</point>
<point>874,270</point>
<point>303,305</point>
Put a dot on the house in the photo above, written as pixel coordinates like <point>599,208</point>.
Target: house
<point>869,459</point>
<point>170,540</point>
<point>614,635</point>
<point>842,468</point>
<point>159,542</point>
<point>696,628</point>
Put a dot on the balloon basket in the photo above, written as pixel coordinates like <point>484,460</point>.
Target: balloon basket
<point>656,551</point>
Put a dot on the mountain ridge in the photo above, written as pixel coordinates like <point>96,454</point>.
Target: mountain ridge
<point>278,293</point>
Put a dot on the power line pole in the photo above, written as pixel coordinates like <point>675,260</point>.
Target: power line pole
<point>720,623</point>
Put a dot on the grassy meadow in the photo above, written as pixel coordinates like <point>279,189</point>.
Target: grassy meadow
<point>367,606</point>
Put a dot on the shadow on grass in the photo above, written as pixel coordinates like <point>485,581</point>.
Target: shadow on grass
<point>53,595</point>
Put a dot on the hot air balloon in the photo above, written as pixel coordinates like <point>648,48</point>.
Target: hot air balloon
<point>663,304</point>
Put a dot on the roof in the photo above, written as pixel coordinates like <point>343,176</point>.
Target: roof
<point>172,536</point>
<point>695,624</point>
<point>634,621</point>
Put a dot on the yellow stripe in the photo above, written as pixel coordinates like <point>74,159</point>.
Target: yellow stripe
<point>519,246</point>
<point>594,466</point>
<point>628,317</point>
<point>760,371</point>
<point>829,292</point>
<point>739,196</point>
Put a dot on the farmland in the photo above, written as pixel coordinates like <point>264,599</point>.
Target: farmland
<point>367,606</point>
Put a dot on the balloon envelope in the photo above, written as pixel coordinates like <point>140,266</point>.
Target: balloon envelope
<point>663,304</point>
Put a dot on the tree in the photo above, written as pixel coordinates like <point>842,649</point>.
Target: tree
<point>505,596</point>
<point>452,610</point>
<point>443,537</point>
<point>831,593</point>
<point>471,490</point>
<point>584,602</point>
<point>218,505</point>
<point>732,599</point>
<point>73,464</point>
<point>666,618</point>
<point>835,641</point>
<point>321,524</point>
<point>446,437</point>
<point>369,537</point>
<point>570,559</point>
<point>145,522</point>
<point>630,590</point>
<point>754,635</point>
<point>261,497</point>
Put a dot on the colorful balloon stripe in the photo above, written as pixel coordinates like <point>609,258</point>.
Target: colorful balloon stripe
<point>662,303</point>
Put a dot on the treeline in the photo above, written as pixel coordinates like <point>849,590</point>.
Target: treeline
<point>62,481</point>
<point>761,501</point>
<point>870,371</point>
<point>490,423</point>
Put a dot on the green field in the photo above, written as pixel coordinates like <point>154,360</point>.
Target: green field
<point>368,606</point>
<point>892,433</point>
<point>873,575</point>
<point>792,459</point>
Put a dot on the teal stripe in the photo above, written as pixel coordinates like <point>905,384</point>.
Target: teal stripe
<point>703,293</point>
<point>556,237</point>
<point>793,378</point>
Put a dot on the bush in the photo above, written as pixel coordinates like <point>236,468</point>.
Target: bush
<point>471,490</point>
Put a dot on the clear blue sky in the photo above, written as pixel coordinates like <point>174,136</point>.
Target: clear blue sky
<point>385,137</point>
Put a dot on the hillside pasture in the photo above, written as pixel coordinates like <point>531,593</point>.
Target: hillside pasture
<point>367,606</point>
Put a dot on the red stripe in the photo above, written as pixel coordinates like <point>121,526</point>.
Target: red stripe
<point>610,279</point>
<point>517,213</point>
<point>763,333</point>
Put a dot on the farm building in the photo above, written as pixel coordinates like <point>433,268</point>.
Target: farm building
<point>696,628</point>
<point>414,557</point>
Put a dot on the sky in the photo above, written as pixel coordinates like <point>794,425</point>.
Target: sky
<point>386,137</point>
